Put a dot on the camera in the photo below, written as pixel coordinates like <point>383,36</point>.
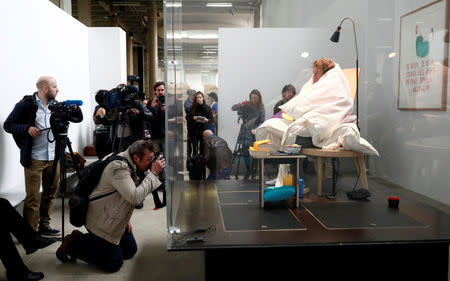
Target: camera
<point>62,114</point>
<point>133,78</point>
<point>243,111</point>
<point>162,100</point>
<point>122,98</point>
<point>155,157</point>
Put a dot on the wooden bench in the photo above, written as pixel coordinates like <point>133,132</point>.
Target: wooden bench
<point>322,153</point>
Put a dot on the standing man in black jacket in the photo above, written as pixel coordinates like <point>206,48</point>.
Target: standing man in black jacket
<point>29,123</point>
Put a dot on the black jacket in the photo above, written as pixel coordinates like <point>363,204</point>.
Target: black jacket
<point>217,155</point>
<point>20,120</point>
<point>195,129</point>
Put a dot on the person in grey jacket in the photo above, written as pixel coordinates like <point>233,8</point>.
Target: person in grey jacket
<point>110,238</point>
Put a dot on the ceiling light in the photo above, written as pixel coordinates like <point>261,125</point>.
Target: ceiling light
<point>219,5</point>
<point>209,52</point>
<point>305,55</point>
<point>210,47</point>
<point>391,55</point>
<point>208,57</point>
<point>174,4</point>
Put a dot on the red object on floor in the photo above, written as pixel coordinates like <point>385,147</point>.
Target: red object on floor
<point>156,208</point>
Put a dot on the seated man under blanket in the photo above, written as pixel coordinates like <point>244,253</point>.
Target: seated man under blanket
<point>323,111</point>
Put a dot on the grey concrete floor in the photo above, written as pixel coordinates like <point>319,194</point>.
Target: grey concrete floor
<point>152,261</point>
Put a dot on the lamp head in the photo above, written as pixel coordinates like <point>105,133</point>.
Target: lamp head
<point>335,36</point>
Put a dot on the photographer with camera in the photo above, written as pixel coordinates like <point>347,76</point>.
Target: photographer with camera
<point>158,107</point>
<point>29,124</point>
<point>252,115</point>
<point>127,113</point>
<point>110,238</point>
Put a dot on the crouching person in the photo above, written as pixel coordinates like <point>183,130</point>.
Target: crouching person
<point>110,239</point>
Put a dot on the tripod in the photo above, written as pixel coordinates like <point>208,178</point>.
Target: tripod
<point>238,150</point>
<point>61,142</point>
<point>122,119</point>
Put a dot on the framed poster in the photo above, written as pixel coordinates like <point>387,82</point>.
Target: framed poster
<point>423,58</point>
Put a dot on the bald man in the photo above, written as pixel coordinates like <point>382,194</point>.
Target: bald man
<point>29,123</point>
<point>217,156</point>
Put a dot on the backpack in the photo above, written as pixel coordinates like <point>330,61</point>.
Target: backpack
<point>89,179</point>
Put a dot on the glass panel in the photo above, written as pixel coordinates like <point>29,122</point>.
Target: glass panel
<point>401,94</point>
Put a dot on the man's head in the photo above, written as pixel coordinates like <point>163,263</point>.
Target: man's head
<point>142,153</point>
<point>159,88</point>
<point>206,134</point>
<point>191,94</point>
<point>47,87</point>
<point>213,96</point>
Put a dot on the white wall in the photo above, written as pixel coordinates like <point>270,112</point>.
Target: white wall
<point>44,40</point>
<point>107,59</point>
<point>414,145</point>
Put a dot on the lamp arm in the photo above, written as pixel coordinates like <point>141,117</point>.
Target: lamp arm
<point>357,66</point>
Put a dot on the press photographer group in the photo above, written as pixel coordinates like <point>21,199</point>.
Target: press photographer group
<point>125,123</point>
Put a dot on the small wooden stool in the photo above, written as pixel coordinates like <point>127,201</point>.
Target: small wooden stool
<point>322,153</point>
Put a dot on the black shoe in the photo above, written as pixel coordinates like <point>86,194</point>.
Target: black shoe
<point>26,275</point>
<point>140,206</point>
<point>36,243</point>
<point>48,231</point>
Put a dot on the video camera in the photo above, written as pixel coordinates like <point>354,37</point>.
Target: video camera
<point>63,113</point>
<point>133,78</point>
<point>243,111</point>
<point>122,97</point>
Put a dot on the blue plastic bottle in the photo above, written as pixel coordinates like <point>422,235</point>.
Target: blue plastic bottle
<point>300,188</point>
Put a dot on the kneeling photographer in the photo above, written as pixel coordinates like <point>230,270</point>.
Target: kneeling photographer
<point>126,113</point>
<point>110,238</point>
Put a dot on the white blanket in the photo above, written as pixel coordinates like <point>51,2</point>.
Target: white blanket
<point>323,111</point>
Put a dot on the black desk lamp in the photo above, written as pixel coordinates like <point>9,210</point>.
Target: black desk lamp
<point>335,38</point>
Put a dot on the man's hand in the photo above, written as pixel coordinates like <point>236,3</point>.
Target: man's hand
<point>134,111</point>
<point>130,228</point>
<point>100,112</point>
<point>155,102</point>
<point>33,131</point>
<point>159,165</point>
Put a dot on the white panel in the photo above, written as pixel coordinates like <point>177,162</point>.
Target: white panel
<point>265,59</point>
<point>47,41</point>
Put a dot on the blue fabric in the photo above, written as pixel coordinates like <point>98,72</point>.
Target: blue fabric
<point>225,173</point>
<point>278,193</point>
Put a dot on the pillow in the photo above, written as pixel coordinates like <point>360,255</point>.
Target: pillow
<point>278,193</point>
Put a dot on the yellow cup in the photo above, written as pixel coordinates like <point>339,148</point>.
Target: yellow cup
<point>288,180</point>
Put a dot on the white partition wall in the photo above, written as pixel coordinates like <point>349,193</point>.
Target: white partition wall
<point>266,59</point>
<point>45,40</point>
<point>107,58</point>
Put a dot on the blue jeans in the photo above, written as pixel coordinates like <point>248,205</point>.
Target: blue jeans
<point>225,173</point>
<point>95,250</point>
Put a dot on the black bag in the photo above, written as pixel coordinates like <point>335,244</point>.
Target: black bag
<point>79,200</point>
<point>195,167</point>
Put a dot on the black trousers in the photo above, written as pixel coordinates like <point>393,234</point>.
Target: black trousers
<point>13,223</point>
